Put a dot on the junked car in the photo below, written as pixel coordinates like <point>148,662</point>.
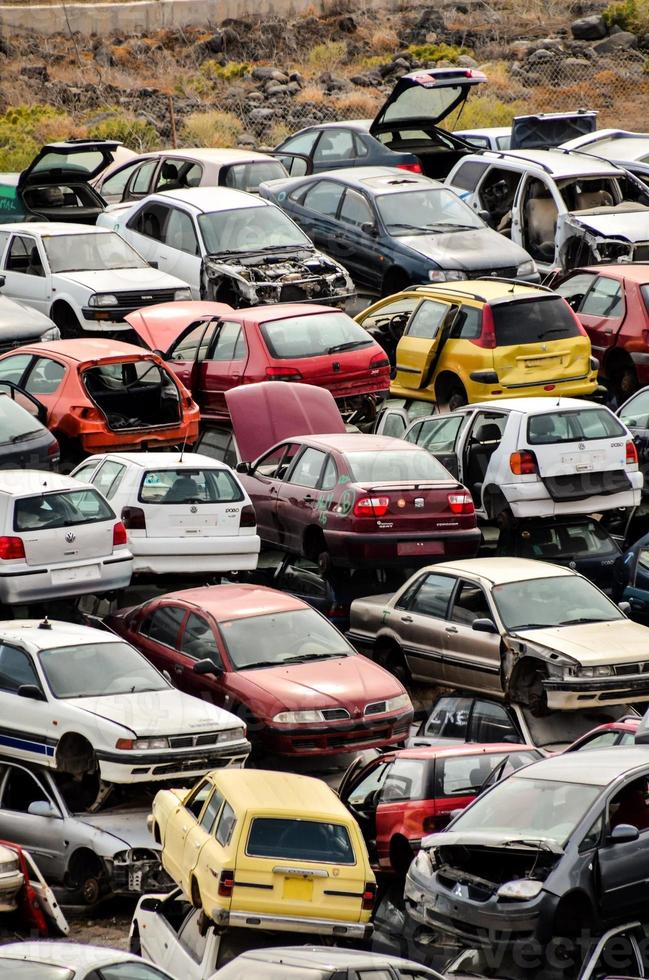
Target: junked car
<point>25,443</point>
<point>290,834</point>
<point>535,633</point>
<point>230,247</point>
<point>22,324</point>
<point>74,961</point>
<point>323,963</point>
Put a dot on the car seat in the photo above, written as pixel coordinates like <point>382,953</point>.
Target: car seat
<point>541,222</point>
<point>586,200</point>
<point>481,448</point>
<point>182,489</point>
<point>544,545</point>
<point>168,177</point>
<point>541,428</point>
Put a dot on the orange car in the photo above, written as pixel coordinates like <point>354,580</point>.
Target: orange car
<point>102,395</point>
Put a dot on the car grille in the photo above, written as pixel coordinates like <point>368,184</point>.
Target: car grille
<point>137,298</point>
<point>6,345</point>
<point>205,738</point>
<point>376,708</point>
<point>507,273</point>
<point>335,714</point>
<point>622,669</point>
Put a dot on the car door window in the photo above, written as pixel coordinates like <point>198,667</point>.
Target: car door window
<point>223,829</point>
<point>470,603</point>
<point>437,435</point>
<point>193,937</point>
<point>275,464</point>
<point>604,299</point>
<point>150,221</point>
<point>83,473</point>
<point>180,232</point>
<point>330,478</point>
<point>141,180</point>
<point>405,780</point>
<point>369,785</point>
<point>393,315</point>
<point>115,185</point>
<point>196,800</point>
<point>602,741</point>
<point>198,640</point>
<point>355,210</point>
<point>427,320</point>
<point>302,143</point>
<point>334,144</point>
<point>194,344</point>
<point>575,288</point>
<point>108,477</point>
<point>13,368</point>
<point>467,325</point>
<point>16,669</point>
<point>433,595</point>
<point>618,958</point>
<point>20,790</point>
<point>497,191</point>
<point>449,719</point>
<point>467,176</point>
<point>491,723</point>
<point>163,625</point>
<point>211,811</point>
<point>127,971</point>
<point>323,198</point>
<point>380,974</point>
<point>175,174</point>
<point>307,470</point>
<point>23,256</point>
<point>230,343</point>
<point>393,424</point>
<point>629,805</point>
<point>635,413</point>
<point>45,377</point>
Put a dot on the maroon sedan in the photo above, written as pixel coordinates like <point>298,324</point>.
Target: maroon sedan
<point>343,498</point>
<point>276,662</point>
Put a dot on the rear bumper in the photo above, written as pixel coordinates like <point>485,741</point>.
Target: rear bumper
<point>592,692</point>
<point>195,555</point>
<point>106,441</point>
<point>351,550</point>
<point>290,923</point>
<point>351,736</point>
<point>533,500</point>
<point>21,583</point>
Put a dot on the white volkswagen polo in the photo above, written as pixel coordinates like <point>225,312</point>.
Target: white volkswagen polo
<point>183,512</point>
<point>80,699</point>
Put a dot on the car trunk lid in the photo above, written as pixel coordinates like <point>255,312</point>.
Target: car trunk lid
<point>198,503</point>
<point>424,507</point>
<point>72,160</point>
<point>428,95</point>
<point>543,130</point>
<point>64,527</point>
<point>133,393</point>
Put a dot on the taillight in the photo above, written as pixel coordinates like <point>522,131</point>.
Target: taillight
<point>460,503</point>
<point>435,822</point>
<point>371,506</point>
<point>369,895</point>
<point>412,168</point>
<point>86,413</point>
<point>247,518</point>
<point>523,463</point>
<point>133,518</point>
<point>283,374</point>
<point>487,338</point>
<point>226,884</point>
<point>53,448</point>
<point>631,453</point>
<point>119,535</point>
<point>11,548</point>
<point>379,361</point>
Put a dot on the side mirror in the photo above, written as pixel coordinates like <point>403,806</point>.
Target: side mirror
<point>486,217</point>
<point>243,467</point>
<point>369,228</point>
<point>624,607</point>
<point>624,833</point>
<point>42,808</point>
<point>207,666</point>
<point>31,691</point>
<point>484,626</point>
<point>150,904</point>
<point>153,264</point>
<point>2,281</point>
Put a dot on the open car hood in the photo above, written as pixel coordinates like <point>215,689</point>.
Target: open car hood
<point>72,160</point>
<point>490,838</point>
<point>426,94</point>
<point>538,132</point>
<point>160,325</point>
<point>265,413</point>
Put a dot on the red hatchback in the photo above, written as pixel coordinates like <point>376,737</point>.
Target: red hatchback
<point>399,797</point>
<point>343,498</point>
<point>276,662</point>
<point>213,348</point>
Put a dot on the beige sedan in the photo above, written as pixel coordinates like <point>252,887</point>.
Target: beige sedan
<point>541,634</point>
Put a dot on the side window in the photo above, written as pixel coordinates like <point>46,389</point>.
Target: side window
<point>593,836</point>
<point>180,233</point>
<point>427,320</point>
<point>360,147</point>
<point>211,811</point>
<point>150,221</point>
<point>16,669</point>
<point>175,174</point>
<point>604,299</point>
<point>393,315</point>
<point>4,240</point>
<point>449,719</point>
<point>433,596</point>
<point>193,937</point>
<point>308,468</point>
<point>21,790</point>
<point>276,463</point>
<point>355,210</point>
<point>113,187</point>
<point>225,826</point>
<point>83,473</point>
<point>369,784</point>
<point>470,603</point>
<point>219,444</point>
<point>196,799</point>
<point>139,185</point>
<point>575,288</point>
<point>330,478</point>
<point>497,191</point>
<point>230,343</point>
<point>438,435</point>
<point>487,429</point>
<point>628,806</point>
<point>302,143</point>
<point>45,377</point>
<point>195,343</point>
<point>334,144</point>
<point>23,256</point>
<point>13,368</point>
<point>108,477</point>
<point>468,175</point>
<point>406,780</point>
<point>163,625</point>
<point>198,640</point>
<point>323,198</point>
<point>467,324</point>
<point>490,723</point>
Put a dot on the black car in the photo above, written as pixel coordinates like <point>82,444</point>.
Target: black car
<point>20,325</point>
<point>336,145</point>
<point>25,443</point>
<point>558,849</point>
<point>390,229</point>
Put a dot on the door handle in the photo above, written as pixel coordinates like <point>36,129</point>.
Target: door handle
<point>308,497</point>
<point>178,669</point>
<point>607,330</point>
<point>407,619</point>
<point>273,490</point>
<point>451,629</point>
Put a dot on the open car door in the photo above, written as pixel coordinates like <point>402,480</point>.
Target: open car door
<point>295,164</point>
<point>420,347</point>
<point>26,400</point>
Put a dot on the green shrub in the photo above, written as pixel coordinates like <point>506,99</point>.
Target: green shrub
<point>327,55</point>
<point>437,52</point>
<point>224,73</point>
<point>137,134</point>
<point>486,110</point>
<point>629,15</point>
<point>24,129</point>
<point>214,128</point>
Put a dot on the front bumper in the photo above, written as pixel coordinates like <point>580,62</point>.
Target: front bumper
<point>108,317</point>
<point>161,556</point>
<point>290,923</point>
<point>590,692</point>
<point>334,737</point>
<point>21,583</point>
<point>351,550</point>
<point>142,767</point>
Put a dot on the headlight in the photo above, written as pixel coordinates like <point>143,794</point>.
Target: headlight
<point>400,703</point>
<point>445,275</point>
<point>424,863</point>
<point>103,299</point>
<point>128,744</point>
<point>594,671</point>
<point>521,890</point>
<point>526,268</point>
<point>299,717</point>
<point>52,334</point>
<point>182,294</point>
<point>232,735</point>
<point>6,867</point>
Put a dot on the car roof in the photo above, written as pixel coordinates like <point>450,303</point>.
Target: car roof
<point>210,154</point>
<point>281,311</point>
<point>355,442</point>
<point>323,957</point>
<point>489,289</point>
<point>622,148</point>
<point>44,634</point>
<point>65,954</point>
<point>163,461</point>
<point>602,767</point>
<point>361,125</point>
<point>19,483</point>
<point>634,271</point>
<point>558,163</point>
<point>85,349</point>
<point>500,571</point>
<point>450,751</point>
<point>234,601</point>
<point>288,793</point>
<point>210,199</point>
<point>376,179</point>
<point>50,229</point>
<point>537,406</point>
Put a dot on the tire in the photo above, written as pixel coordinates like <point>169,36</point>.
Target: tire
<point>86,878</point>
<point>624,382</point>
<point>66,320</point>
<point>394,282</point>
<point>533,693</point>
<point>457,398</point>
<point>400,855</point>
<point>394,661</point>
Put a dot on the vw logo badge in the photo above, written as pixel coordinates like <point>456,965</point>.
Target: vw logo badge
<point>70,537</point>
<point>193,510</point>
<point>582,445</point>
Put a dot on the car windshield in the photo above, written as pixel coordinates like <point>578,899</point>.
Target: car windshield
<point>92,670</point>
<point>295,636</point>
<point>92,252</point>
<point>530,321</point>
<point>422,211</point>
<point>313,335</point>
<point>15,422</point>
<point>396,466</point>
<point>69,507</point>
<point>529,809</point>
<point>28,970</point>
<point>189,486</point>
<point>573,426</point>
<point>565,600</point>
<point>300,840</point>
<point>257,229</point>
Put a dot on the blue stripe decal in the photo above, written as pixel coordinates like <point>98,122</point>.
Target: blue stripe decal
<point>22,743</point>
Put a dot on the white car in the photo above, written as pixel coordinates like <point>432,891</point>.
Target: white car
<point>83,278</point>
<point>490,138</point>
<point>58,537</point>
<point>11,880</point>
<point>47,960</point>
<point>533,457</point>
<point>183,513</point>
<point>79,699</point>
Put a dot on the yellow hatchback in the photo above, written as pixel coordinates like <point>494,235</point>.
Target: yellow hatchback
<point>270,850</point>
<point>471,341</point>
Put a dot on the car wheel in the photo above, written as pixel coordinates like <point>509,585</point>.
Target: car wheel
<point>457,398</point>
<point>395,662</point>
<point>66,320</point>
<point>400,855</point>
<point>534,694</point>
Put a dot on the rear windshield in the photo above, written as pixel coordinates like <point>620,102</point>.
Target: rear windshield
<point>248,176</point>
<point>69,507</point>
<point>566,541</point>
<point>313,335</point>
<point>395,466</point>
<point>21,970</point>
<point>15,422</point>
<point>200,486</point>
<point>573,426</point>
<point>528,321</point>
<point>300,840</point>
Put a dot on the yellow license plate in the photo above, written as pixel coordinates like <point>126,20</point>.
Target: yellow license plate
<point>298,889</point>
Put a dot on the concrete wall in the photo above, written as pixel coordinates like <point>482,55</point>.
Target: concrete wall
<point>143,16</point>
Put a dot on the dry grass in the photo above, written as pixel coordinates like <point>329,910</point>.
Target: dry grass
<point>385,40</point>
<point>356,105</point>
<point>277,133</point>
<point>311,93</point>
<point>212,128</point>
<point>326,56</point>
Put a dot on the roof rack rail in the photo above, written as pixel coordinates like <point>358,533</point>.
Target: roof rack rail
<point>448,287</point>
<point>514,282</point>
<point>516,155</point>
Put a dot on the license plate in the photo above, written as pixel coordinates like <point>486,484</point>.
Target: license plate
<point>420,548</point>
<point>61,576</point>
<point>298,889</point>
<point>533,364</point>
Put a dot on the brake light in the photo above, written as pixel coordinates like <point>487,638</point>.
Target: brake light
<point>461,503</point>
<point>226,884</point>
<point>412,168</point>
<point>379,361</point>
<point>53,448</point>
<point>86,413</point>
<point>631,453</point>
<point>371,506</point>
<point>248,518</point>
<point>119,534</point>
<point>369,895</point>
<point>487,338</point>
<point>523,463</point>
<point>11,548</point>
<point>133,518</point>
<point>435,822</point>
<point>283,374</point>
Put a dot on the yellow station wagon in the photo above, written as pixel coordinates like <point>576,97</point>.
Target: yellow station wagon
<point>268,850</point>
<point>469,341</point>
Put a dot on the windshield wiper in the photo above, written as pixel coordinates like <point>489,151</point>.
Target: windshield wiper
<point>350,345</point>
<point>401,224</point>
<point>312,656</point>
<point>582,619</point>
<point>531,626</point>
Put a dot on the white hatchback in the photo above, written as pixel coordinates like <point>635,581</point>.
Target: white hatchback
<point>182,512</point>
<point>58,537</point>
